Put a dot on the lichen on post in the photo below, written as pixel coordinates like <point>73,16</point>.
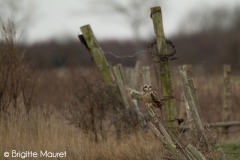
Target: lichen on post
<point>165,75</point>
<point>99,58</point>
<point>227,98</point>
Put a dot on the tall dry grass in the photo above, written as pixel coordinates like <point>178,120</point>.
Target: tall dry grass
<point>55,135</point>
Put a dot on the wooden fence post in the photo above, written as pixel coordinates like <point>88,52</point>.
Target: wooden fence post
<point>135,78</point>
<point>195,97</point>
<point>127,74</point>
<point>136,75</point>
<point>167,143</point>
<point>194,153</point>
<point>118,71</point>
<point>188,93</point>
<point>165,75</point>
<point>108,77</point>
<point>227,98</point>
<point>146,75</point>
<point>184,108</point>
<point>221,154</point>
<point>99,58</point>
<point>167,138</point>
<point>121,85</point>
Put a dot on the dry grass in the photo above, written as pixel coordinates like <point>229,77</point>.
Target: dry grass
<point>54,135</point>
<point>47,129</point>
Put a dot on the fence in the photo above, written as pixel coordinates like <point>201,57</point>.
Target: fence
<point>168,134</point>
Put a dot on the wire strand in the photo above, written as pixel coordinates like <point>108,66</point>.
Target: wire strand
<point>125,56</point>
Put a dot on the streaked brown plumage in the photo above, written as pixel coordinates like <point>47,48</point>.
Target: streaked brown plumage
<point>151,97</point>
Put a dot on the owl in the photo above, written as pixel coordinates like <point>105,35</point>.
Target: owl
<point>151,97</point>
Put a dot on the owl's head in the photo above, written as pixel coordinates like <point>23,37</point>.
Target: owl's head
<point>147,87</point>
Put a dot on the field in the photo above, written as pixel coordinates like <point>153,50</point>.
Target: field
<point>70,113</point>
<point>51,126</point>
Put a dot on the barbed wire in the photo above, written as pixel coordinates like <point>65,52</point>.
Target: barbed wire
<point>126,56</point>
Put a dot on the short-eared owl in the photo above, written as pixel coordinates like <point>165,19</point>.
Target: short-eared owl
<point>151,97</point>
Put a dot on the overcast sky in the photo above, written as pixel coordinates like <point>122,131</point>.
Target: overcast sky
<point>61,19</point>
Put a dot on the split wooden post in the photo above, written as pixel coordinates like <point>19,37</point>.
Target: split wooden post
<point>128,103</point>
<point>146,75</point>
<point>227,98</point>
<point>165,75</point>
<point>184,108</point>
<point>168,140</point>
<point>195,97</point>
<point>167,144</point>
<point>192,111</point>
<point>136,75</point>
<point>194,153</point>
<point>127,74</point>
<point>188,93</point>
<point>121,85</point>
<point>156,71</point>
<point>99,58</point>
<point>222,156</point>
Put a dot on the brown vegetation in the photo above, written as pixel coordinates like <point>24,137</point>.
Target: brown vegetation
<point>52,98</point>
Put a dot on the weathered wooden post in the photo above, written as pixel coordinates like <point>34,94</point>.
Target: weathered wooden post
<point>191,98</point>
<point>136,75</point>
<point>146,75</point>
<point>99,58</point>
<point>184,108</point>
<point>167,144</point>
<point>135,78</point>
<point>165,75</point>
<point>221,154</point>
<point>195,97</point>
<point>121,85</point>
<point>194,153</point>
<point>128,103</point>
<point>227,98</point>
<point>127,73</point>
<point>168,140</point>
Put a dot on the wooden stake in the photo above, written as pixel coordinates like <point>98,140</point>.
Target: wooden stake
<point>227,100</point>
<point>165,75</point>
<point>193,112</point>
<point>195,97</point>
<point>146,75</point>
<point>136,75</point>
<point>192,103</point>
<point>121,85</point>
<point>169,141</point>
<point>194,153</point>
<point>118,71</point>
<point>167,144</point>
<point>222,155</point>
<point>184,108</point>
<point>99,58</point>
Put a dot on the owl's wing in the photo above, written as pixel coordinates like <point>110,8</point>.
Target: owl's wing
<point>156,99</point>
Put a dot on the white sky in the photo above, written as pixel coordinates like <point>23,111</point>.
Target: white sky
<point>61,19</point>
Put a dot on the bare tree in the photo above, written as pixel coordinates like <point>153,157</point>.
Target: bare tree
<point>20,12</point>
<point>17,82</point>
